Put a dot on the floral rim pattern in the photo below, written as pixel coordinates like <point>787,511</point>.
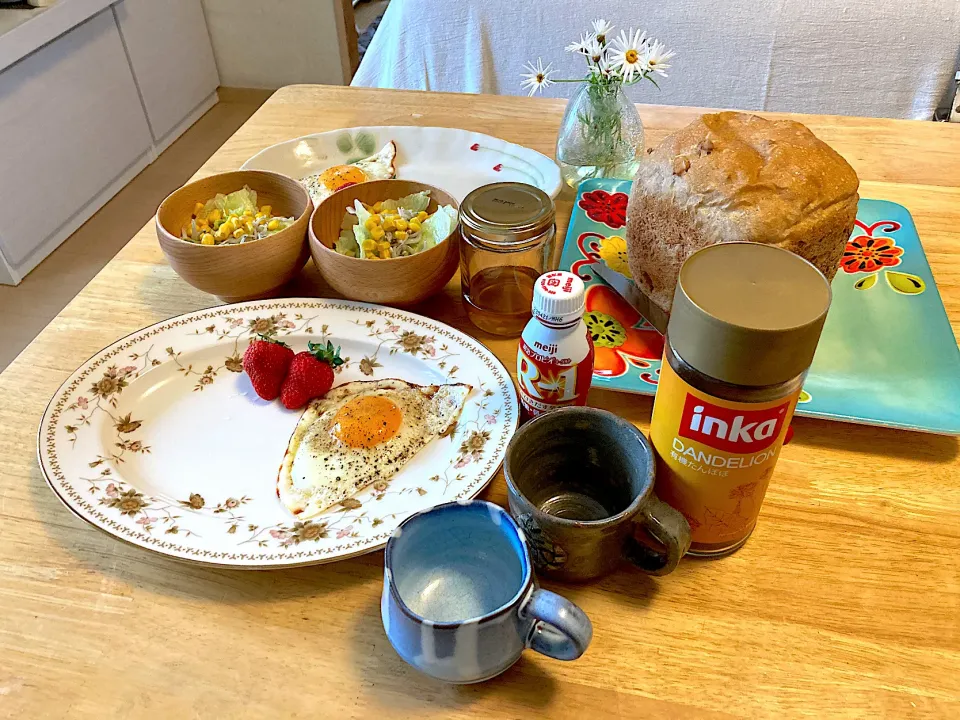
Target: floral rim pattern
<point>162,523</point>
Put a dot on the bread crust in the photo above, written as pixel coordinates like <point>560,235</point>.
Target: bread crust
<point>735,177</point>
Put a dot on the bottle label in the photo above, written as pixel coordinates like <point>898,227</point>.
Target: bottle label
<point>715,457</point>
<point>548,381</point>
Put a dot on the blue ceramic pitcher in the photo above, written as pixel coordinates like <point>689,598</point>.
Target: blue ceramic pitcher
<point>460,601</point>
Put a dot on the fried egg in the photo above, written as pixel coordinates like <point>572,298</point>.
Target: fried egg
<point>381,166</point>
<point>361,433</point>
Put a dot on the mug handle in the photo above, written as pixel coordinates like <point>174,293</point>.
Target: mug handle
<point>670,528</point>
<point>561,629</point>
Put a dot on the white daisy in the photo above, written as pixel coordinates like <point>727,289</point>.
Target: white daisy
<point>581,45</point>
<point>537,77</point>
<point>594,52</point>
<point>602,30</point>
<point>628,54</point>
<point>656,58</point>
<point>605,69</point>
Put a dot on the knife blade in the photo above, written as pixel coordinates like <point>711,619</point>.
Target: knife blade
<point>628,290</point>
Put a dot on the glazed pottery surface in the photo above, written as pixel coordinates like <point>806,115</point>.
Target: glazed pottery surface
<point>580,484</point>
<point>460,602</point>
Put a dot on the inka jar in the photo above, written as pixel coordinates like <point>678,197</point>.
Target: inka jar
<point>744,326</point>
<point>508,240</point>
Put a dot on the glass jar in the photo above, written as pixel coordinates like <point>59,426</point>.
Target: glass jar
<point>508,240</point>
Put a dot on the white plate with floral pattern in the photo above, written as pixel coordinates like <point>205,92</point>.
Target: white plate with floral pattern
<point>160,440</point>
<point>451,159</point>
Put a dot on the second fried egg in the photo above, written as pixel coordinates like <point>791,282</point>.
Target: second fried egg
<point>381,166</point>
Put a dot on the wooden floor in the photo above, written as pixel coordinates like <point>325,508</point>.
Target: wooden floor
<point>28,307</point>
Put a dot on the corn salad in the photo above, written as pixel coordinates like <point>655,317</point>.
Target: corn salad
<point>232,219</point>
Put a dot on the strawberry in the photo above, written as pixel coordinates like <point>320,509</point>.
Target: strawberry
<point>310,375</point>
<point>266,362</point>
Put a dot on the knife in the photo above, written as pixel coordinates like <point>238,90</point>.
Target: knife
<point>628,290</point>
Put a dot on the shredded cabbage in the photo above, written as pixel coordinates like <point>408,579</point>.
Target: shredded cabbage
<point>233,204</point>
<point>360,231</point>
<point>438,226</point>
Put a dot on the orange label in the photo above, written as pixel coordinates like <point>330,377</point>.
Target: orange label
<point>715,457</point>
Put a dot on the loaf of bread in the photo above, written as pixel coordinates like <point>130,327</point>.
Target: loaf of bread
<point>731,177</point>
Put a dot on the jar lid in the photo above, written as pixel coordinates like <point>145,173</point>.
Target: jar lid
<point>506,215</point>
<point>558,298</point>
<point>748,313</point>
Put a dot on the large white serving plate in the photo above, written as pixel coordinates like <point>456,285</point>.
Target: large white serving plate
<point>454,160</point>
<point>160,440</point>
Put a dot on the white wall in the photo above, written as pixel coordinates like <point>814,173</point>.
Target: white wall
<point>272,43</point>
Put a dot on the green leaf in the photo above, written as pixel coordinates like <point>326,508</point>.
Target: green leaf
<point>866,283</point>
<point>905,283</point>
<point>366,143</point>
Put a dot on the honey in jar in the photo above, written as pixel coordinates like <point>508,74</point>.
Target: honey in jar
<point>508,240</point>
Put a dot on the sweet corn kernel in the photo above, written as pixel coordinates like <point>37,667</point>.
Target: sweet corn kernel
<point>228,226</point>
<point>376,232</point>
<point>414,225</point>
<point>388,223</point>
<point>198,208</point>
<point>248,213</point>
<point>260,216</point>
<point>214,215</point>
<point>377,206</point>
<point>384,254</point>
<point>401,223</point>
<point>266,209</point>
<point>273,225</point>
<point>222,233</point>
<point>370,223</point>
<point>239,233</point>
<point>421,216</point>
<point>368,245</point>
<point>401,235</point>
<point>207,239</point>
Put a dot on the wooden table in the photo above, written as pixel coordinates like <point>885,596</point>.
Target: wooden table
<point>846,601</point>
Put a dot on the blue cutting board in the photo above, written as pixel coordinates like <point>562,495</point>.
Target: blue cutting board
<point>887,355</point>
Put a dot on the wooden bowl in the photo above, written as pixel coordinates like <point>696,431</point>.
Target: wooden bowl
<point>398,281</point>
<point>238,272</point>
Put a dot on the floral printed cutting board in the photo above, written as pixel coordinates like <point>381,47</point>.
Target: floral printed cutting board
<point>161,441</point>
<point>887,355</point>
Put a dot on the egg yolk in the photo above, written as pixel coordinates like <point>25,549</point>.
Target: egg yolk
<point>367,421</point>
<point>341,176</point>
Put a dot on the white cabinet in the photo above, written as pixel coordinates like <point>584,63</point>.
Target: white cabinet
<point>272,43</point>
<point>90,92</point>
<point>71,127</point>
<point>171,56</point>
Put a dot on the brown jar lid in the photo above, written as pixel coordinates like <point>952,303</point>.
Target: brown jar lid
<point>506,216</point>
<point>747,313</point>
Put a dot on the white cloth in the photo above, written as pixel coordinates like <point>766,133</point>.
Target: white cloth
<point>881,58</point>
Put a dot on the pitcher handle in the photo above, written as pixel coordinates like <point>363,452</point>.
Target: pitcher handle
<point>668,527</point>
<point>560,630</point>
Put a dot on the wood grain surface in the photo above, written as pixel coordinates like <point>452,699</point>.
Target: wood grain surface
<point>400,282</point>
<point>249,270</point>
<point>845,603</point>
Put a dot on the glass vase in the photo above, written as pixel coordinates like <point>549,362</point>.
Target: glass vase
<point>601,135</point>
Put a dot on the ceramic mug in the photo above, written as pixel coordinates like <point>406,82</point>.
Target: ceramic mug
<point>460,602</point>
<point>580,483</point>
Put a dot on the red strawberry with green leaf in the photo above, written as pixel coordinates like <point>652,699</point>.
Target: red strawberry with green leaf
<point>310,375</point>
<point>266,362</point>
